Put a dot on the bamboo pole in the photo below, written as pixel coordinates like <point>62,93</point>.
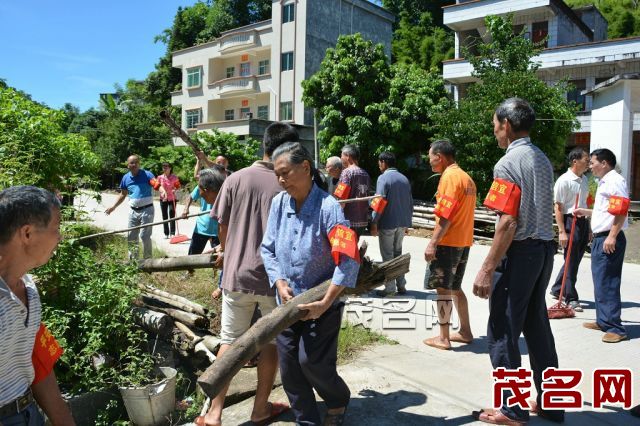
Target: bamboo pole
<point>196,307</point>
<point>355,200</point>
<point>179,263</point>
<point>146,225</point>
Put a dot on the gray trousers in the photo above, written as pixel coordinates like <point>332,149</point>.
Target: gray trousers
<point>136,218</point>
<point>390,241</point>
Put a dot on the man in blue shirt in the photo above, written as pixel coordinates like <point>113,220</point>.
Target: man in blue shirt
<point>136,184</point>
<point>391,223</point>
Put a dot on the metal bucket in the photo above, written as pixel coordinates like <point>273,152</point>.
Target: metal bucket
<point>152,404</point>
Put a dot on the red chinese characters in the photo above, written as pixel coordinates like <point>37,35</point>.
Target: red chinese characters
<point>46,351</point>
<point>378,204</point>
<point>343,240</point>
<point>558,387</point>
<point>613,387</point>
<point>342,191</point>
<point>504,197</point>
<point>618,206</point>
<point>518,382</point>
<point>445,207</point>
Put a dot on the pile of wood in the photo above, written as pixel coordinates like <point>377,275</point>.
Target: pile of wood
<point>183,323</point>
<point>484,219</point>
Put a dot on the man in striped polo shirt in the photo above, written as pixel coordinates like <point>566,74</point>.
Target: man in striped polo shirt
<point>515,273</point>
<point>29,234</point>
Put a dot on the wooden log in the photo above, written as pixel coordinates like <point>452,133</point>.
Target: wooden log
<point>177,131</point>
<point>199,347</point>
<point>268,327</point>
<point>188,318</point>
<point>165,302</point>
<point>196,307</point>
<point>180,263</point>
<point>152,321</point>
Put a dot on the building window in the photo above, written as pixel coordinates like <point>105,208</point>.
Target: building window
<point>288,13</point>
<point>263,67</point>
<point>263,112</point>
<point>193,118</point>
<point>575,96</point>
<point>245,113</point>
<point>286,111</point>
<point>231,71</point>
<point>229,114</point>
<point>539,32</point>
<point>245,69</point>
<point>194,77</point>
<point>287,61</point>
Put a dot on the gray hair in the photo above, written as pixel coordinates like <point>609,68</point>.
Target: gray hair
<point>518,113</point>
<point>212,178</point>
<point>352,151</point>
<point>297,155</point>
<point>25,205</point>
<point>334,162</point>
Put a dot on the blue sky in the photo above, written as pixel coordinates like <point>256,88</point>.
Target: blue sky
<point>71,50</point>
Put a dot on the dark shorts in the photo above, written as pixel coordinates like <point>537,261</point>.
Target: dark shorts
<point>447,269</point>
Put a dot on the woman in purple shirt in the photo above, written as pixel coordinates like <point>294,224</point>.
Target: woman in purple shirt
<point>297,256</point>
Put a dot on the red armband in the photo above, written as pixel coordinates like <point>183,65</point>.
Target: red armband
<point>504,197</point>
<point>445,207</point>
<point>46,351</point>
<point>590,201</point>
<point>176,184</point>
<point>378,204</point>
<point>343,240</point>
<point>342,191</point>
<point>618,206</point>
<point>154,183</point>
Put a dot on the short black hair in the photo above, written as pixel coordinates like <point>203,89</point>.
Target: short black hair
<point>388,158</point>
<point>576,154</point>
<point>604,154</point>
<point>518,113</point>
<point>276,134</point>
<point>444,147</point>
<point>25,205</point>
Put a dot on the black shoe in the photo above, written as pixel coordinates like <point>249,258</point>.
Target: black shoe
<point>401,291</point>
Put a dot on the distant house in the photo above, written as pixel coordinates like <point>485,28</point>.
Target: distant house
<point>250,76</point>
<point>606,73</point>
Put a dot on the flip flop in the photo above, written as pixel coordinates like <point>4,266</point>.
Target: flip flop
<point>495,417</point>
<point>277,408</point>
<point>431,342</point>
<point>459,339</point>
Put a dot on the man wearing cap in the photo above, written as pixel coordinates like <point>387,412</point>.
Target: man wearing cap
<point>138,184</point>
<point>608,220</point>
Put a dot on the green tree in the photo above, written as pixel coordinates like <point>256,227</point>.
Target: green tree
<point>363,100</point>
<point>35,150</point>
<point>623,16</point>
<point>422,42</point>
<point>505,70</point>
<point>416,8</point>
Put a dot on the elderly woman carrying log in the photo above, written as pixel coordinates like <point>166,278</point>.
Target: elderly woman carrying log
<point>307,242</point>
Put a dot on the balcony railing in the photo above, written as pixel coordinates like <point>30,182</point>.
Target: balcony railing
<point>237,84</point>
<point>232,41</point>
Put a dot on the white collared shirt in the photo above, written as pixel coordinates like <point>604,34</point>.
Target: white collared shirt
<point>566,188</point>
<point>610,184</point>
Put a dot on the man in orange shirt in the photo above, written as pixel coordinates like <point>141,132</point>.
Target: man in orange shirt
<point>448,250</point>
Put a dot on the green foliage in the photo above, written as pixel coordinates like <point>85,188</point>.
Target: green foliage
<point>86,303</point>
<point>414,9</point>
<point>35,150</point>
<point>623,16</point>
<point>505,70</point>
<point>363,100</point>
<point>422,42</point>
<point>240,154</point>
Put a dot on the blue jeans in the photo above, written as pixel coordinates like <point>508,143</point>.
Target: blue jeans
<point>606,270</point>
<point>30,416</point>
<point>390,241</point>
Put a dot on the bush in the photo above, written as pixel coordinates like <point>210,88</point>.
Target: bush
<point>86,303</point>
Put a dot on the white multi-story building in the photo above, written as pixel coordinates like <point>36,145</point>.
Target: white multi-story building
<point>606,73</point>
<point>250,76</point>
